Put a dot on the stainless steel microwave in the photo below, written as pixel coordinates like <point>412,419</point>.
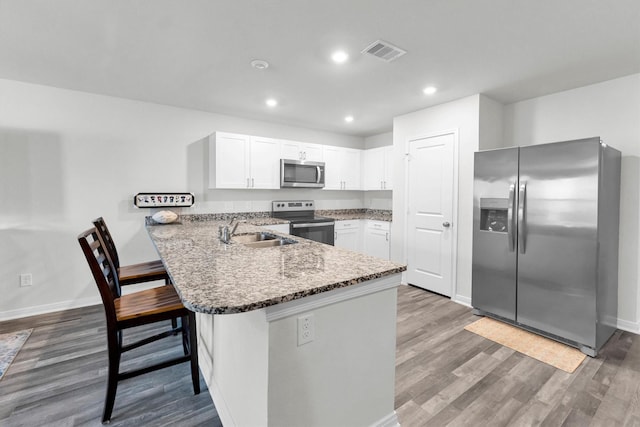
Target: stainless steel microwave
<point>301,174</point>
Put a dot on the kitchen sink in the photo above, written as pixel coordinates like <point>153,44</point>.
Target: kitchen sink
<point>254,237</point>
<point>262,240</point>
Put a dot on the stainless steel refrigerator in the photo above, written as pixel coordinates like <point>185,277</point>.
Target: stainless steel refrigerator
<point>545,239</point>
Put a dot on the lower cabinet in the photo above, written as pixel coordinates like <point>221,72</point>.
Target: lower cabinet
<point>377,238</point>
<point>348,235</point>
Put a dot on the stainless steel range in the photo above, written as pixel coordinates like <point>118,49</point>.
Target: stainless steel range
<point>303,221</point>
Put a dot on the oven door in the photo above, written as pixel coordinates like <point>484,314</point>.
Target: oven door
<point>295,173</point>
<point>317,231</point>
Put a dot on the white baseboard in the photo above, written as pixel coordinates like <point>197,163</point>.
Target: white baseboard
<point>461,299</point>
<point>49,308</point>
<point>625,325</point>
<point>390,420</point>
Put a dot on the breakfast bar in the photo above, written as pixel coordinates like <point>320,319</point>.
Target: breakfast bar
<point>291,331</point>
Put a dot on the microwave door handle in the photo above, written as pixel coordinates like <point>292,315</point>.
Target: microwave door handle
<point>510,222</point>
<point>319,174</point>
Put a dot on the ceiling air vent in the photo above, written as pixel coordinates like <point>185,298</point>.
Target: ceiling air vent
<point>383,50</point>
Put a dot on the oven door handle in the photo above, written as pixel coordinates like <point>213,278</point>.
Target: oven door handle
<point>312,224</point>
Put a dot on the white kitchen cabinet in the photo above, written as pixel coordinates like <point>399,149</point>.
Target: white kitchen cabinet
<point>243,161</point>
<point>348,234</point>
<point>342,168</point>
<point>301,151</point>
<point>377,238</point>
<point>377,166</point>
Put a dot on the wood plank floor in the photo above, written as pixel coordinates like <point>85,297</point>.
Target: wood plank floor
<point>444,376</point>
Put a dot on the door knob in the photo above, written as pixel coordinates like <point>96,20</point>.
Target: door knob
<point>446,224</point>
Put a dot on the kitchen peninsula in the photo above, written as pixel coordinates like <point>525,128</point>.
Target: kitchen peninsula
<point>298,334</point>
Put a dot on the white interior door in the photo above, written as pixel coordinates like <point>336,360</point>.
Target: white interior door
<point>430,213</point>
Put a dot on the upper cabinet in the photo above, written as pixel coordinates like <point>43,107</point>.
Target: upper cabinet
<point>253,162</point>
<point>342,168</point>
<point>376,169</point>
<point>301,151</point>
<point>243,161</point>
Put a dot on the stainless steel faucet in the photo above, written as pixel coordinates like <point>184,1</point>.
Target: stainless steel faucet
<point>224,234</point>
<point>235,227</point>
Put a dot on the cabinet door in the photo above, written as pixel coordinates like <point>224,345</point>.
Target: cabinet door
<point>333,165</point>
<point>347,239</point>
<point>388,167</point>
<point>265,163</point>
<point>291,150</point>
<point>350,168</point>
<point>312,152</point>
<point>373,169</point>
<point>230,153</point>
<point>376,243</point>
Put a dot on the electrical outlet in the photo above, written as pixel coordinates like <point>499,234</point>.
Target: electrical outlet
<point>26,279</point>
<point>305,329</point>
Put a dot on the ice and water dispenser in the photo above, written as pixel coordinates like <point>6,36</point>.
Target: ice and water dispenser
<point>493,214</point>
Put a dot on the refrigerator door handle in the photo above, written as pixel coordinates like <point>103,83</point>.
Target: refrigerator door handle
<point>522,215</point>
<point>511,224</point>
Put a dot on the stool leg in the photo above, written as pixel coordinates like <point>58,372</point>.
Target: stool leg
<point>193,347</point>
<point>174,321</point>
<point>112,376</point>
<point>185,335</point>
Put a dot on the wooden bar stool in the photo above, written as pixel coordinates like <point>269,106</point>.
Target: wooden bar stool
<point>133,273</point>
<point>136,309</point>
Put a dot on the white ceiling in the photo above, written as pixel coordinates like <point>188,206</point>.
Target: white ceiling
<point>196,53</point>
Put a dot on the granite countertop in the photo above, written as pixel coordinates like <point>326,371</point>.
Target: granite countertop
<point>218,278</point>
<point>349,214</point>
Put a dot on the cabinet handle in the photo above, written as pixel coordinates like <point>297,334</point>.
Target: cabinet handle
<point>304,155</point>
<point>252,183</point>
<point>381,185</point>
<point>248,186</point>
<point>387,236</point>
<point>335,235</point>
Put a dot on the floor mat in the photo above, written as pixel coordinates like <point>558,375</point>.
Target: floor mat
<point>543,349</point>
<point>10,345</point>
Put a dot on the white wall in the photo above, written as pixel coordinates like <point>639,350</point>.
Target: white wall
<point>461,115</point>
<point>610,110</point>
<point>67,157</point>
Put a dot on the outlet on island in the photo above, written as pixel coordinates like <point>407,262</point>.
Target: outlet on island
<point>305,329</point>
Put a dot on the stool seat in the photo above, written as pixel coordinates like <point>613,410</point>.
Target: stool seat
<point>142,272</point>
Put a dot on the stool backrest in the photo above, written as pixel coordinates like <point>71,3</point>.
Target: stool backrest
<point>104,273</point>
<point>109,245</point>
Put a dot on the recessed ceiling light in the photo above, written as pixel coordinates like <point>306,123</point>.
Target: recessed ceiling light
<point>348,119</point>
<point>271,102</point>
<point>259,64</point>
<point>339,56</point>
<point>429,90</point>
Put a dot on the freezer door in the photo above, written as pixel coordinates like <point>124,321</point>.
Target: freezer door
<point>557,244</point>
<point>494,232</point>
